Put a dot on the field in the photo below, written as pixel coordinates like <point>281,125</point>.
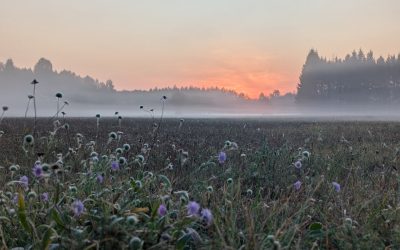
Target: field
<point>199,184</point>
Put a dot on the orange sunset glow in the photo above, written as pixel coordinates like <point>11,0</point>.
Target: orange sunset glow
<point>251,47</point>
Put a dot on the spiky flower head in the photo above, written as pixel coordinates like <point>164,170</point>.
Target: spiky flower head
<point>37,170</point>
<point>114,166</point>
<point>44,197</point>
<point>24,181</point>
<point>78,208</point>
<point>193,208</point>
<point>222,157</point>
<point>5,108</point>
<point>207,216</point>
<point>34,82</point>
<point>297,185</point>
<point>162,210</point>
<point>126,147</point>
<point>297,164</point>
<point>112,135</point>
<point>122,161</point>
<point>28,139</point>
<point>59,95</point>
<point>336,186</point>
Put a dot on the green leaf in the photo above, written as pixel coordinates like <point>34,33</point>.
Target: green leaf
<point>164,179</point>
<point>22,213</point>
<point>315,226</point>
<point>56,217</point>
<point>181,243</point>
<point>47,238</point>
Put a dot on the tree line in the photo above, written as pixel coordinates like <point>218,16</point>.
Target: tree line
<point>358,78</point>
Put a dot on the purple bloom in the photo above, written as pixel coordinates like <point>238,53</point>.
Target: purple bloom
<point>78,207</point>
<point>222,157</point>
<point>114,166</point>
<point>207,216</point>
<point>297,185</point>
<point>336,186</point>
<point>162,210</point>
<point>24,181</point>
<point>100,178</point>
<point>193,208</point>
<point>297,164</point>
<point>44,197</point>
<point>37,170</point>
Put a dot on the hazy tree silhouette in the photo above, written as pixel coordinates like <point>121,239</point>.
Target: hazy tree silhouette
<point>358,78</point>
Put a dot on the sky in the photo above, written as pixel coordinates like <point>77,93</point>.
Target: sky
<point>250,46</point>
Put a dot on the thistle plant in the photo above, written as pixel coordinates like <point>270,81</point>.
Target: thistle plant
<point>4,110</point>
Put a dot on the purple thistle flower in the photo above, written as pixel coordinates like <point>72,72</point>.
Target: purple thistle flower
<point>336,186</point>
<point>24,181</point>
<point>78,207</point>
<point>44,197</point>
<point>222,157</point>
<point>297,164</point>
<point>100,178</point>
<point>37,170</point>
<point>297,185</point>
<point>193,208</point>
<point>162,210</point>
<point>114,165</point>
<point>207,216</point>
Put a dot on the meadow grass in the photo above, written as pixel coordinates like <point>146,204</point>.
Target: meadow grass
<point>102,183</point>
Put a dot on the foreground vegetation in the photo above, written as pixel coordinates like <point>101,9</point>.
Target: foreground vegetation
<point>216,184</point>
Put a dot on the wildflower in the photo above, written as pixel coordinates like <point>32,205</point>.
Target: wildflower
<point>59,95</point>
<point>210,189</point>
<point>229,181</point>
<point>297,164</point>
<point>193,208</point>
<point>78,207</point>
<point>297,185</point>
<point>114,166</point>
<point>100,178</point>
<point>249,192</point>
<point>206,216</point>
<point>37,170</point>
<point>336,186</point>
<point>44,197</point>
<point>222,157</point>
<point>24,181</point>
<point>162,210</point>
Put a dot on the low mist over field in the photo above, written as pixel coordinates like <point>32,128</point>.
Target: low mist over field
<point>358,85</point>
